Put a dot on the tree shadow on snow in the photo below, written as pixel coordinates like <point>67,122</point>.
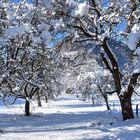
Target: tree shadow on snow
<point>70,122</point>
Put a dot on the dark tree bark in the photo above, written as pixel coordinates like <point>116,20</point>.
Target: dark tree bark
<point>125,99</point>
<point>39,100</point>
<point>46,99</point>
<point>106,101</point>
<point>114,69</point>
<point>126,105</point>
<point>105,97</point>
<point>27,108</point>
<point>30,95</point>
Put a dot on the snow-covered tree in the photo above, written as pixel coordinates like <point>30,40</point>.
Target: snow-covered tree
<point>28,64</point>
<point>96,22</point>
<point>28,30</point>
<point>85,75</point>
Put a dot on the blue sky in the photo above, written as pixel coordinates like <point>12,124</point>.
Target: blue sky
<point>16,1</point>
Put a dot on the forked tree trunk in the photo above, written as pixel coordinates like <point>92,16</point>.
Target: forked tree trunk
<point>105,97</point>
<point>125,100</point>
<point>27,108</point>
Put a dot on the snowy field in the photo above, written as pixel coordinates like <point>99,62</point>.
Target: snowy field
<point>67,119</point>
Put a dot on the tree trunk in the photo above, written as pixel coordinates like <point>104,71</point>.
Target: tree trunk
<point>105,97</point>
<point>46,99</point>
<point>125,99</point>
<point>127,111</point>
<point>39,100</point>
<point>27,108</point>
<point>107,104</point>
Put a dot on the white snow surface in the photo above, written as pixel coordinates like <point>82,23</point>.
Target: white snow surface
<point>67,118</point>
<point>79,8</point>
<point>17,31</point>
<point>82,9</point>
<point>134,38</point>
<point>45,34</point>
<point>137,67</point>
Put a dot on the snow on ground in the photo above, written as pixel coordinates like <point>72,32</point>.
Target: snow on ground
<point>66,119</point>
